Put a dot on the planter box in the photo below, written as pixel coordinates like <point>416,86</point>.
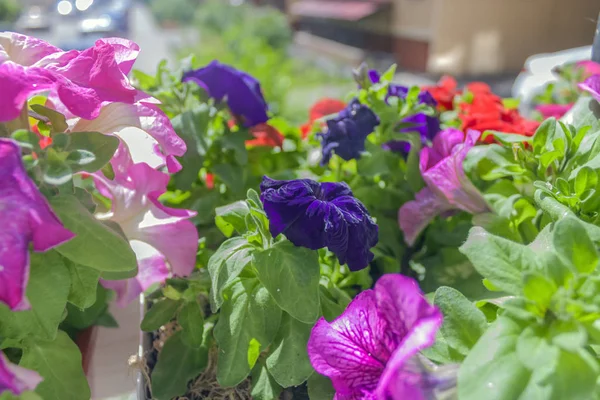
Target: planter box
<point>145,348</point>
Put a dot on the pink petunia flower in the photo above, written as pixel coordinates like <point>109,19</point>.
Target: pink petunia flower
<point>164,240</point>
<point>553,110</point>
<point>25,217</point>
<point>592,86</point>
<point>447,186</point>
<point>92,90</point>
<point>369,352</point>
<point>16,379</point>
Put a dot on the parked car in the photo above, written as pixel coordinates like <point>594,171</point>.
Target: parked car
<point>538,72</point>
<point>97,16</point>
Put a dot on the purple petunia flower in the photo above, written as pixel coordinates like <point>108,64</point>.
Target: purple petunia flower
<point>346,133</point>
<point>401,91</point>
<point>316,215</point>
<point>448,188</point>
<point>369,352</point>
<point>16,379</point>
<point>25,217</point>
<point>427,127</point>
<point>241,91</point>
<point>592,86</point>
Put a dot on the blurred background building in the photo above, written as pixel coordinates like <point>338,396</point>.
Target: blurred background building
<point>461,37</point>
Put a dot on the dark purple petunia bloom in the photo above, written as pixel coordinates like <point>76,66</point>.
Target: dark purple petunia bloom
<point>370,351</point>
<point>25,217</point>
<point>242,92</point>
<point>401,91</point>
<point>346,133</point>
<point>316,215</point>
<point>427,127</point>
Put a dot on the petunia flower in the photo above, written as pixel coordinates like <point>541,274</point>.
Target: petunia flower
<point>425,125</point>
<point>145,132</point>
<point>265,135</point>
<point>447,186</point>
<point>444,92</point>
<point>370,351</point>
<point>25,217</point>
<point>401,91</point>
<point>592,86</point>
<point>553,110</point>
<point>81,81</point>
<point>589,67</point>
<point>316,215</point>
<point>16,379</point>
<point>165,242</point>
<point>346,133</point>
<point>322,108</point>
<point>241,91</point>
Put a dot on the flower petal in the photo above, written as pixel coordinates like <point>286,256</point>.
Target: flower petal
<point>592,86</point>
<point>16,379</point>
<point>26,217</point>
<point>353,349</point>
<point>242,92</point>
<point>409,315</point>
<point>416,214</point>
<point>18,84</point>
<point>152,268</point>
<point>23,50</point>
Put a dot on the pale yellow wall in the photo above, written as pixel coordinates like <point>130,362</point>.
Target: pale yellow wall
<point>491,36</point>
<point>413,18</point>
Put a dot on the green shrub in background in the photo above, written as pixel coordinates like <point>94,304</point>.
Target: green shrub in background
<point>265,23</point>
<point>9,10</point>
<point>174,11</point>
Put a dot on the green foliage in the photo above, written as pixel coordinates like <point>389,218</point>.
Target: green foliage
<point>542,343</point>
<point>58,361</point>
<point>95,245</point>
<point>9,10</point>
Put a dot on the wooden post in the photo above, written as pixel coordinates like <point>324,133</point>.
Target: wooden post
<point>596,45</point>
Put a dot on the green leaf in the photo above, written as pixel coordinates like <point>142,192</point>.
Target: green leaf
<point>534,349</point>
<point>192,126</point>
<point>249,315</point>
<point>191,320</point>
<point>575,376</point>
<point>177,364</point>
<point>539,289</point>
<point>225,265</point>
<point>236,141</point>
<point>57,120</point>
<point>320,387</point>
<point>544,135</point>
<point>492,370</point>
<point>82,319</point>
<point>463,323</point>
<point>89,151</point>
<point>291,274</point>
<point>585,179</point>
<point>585,112</point>
<point>264,386</point>
<point>492,162</point>
<point>23,396</point>
<point>232,217</point>
<point>499,260</point>
<point>232,175</point>
<point>288,360</point>
<point>84,281</point>
<point>159,314</point>
<point>507,138</point>
<point>47,291</point>
<point>57,172</point>
<point>59,363</point>
<point>26,139</point>
<point>330,308</point>
<point>95,245</point>
<point>574,246</point>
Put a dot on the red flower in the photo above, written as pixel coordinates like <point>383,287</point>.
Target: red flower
<point>444,92</point>
<point>210,181</point>
<point>265,135</point>
<point>487,112</point>
<point>322,108</point>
